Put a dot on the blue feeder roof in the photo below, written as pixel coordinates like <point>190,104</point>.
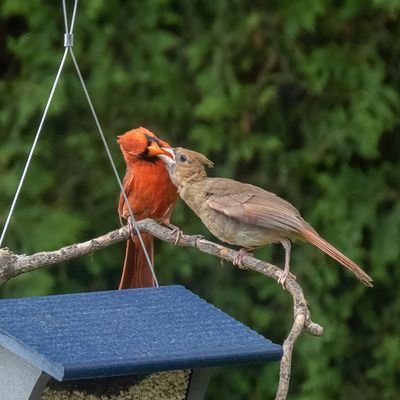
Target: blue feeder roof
<point>113,333</point>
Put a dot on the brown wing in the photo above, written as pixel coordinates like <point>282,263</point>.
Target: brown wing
<point>253,205</point>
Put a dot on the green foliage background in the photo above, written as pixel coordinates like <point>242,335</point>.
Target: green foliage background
<point>299,97</point>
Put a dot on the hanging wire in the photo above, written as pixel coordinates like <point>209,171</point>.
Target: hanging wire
<point>28,161</point>
<point>113,166</point>
<point>68,43</point>
<point>64,6</point>
<point>73,17</point>
<point>100,130</point>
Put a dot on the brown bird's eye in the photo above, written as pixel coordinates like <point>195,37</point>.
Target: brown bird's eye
<point>183,158</point>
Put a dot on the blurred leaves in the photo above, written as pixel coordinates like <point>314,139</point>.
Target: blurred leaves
<point>301,98</point>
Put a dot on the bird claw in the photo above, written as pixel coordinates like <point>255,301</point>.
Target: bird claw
<point>283,277</point>
<point>178,234</point>
<point>175,231</point>
<point>131,226</point>
<point>238,258</point>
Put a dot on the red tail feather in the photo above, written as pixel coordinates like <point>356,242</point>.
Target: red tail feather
<point>136,272</point>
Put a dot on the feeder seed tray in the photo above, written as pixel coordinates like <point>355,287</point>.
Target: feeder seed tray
<point>152,343</point>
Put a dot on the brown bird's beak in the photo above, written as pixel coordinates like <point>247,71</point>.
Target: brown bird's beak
<point>155,150</point>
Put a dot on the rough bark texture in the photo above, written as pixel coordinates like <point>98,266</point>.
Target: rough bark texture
<point>12,265</point>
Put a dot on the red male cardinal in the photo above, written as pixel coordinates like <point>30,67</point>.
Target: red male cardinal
<point>151,194</point>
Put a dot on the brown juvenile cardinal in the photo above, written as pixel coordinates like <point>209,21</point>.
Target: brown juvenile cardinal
<point>245,215</point>
<point>151,194</point>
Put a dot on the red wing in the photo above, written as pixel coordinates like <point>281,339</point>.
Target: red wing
<point>127,184</point>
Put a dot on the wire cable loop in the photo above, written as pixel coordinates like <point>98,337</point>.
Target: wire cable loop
<point>69,28</point>
<point>68,35</point>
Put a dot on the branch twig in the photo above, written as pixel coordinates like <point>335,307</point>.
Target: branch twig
<point>12,265</point>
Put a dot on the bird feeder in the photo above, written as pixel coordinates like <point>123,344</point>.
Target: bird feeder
<point>152,343</point>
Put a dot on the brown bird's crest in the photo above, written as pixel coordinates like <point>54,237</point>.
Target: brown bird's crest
<point>185,156</point>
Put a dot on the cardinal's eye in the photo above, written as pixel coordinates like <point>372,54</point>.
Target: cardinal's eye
<point>183,158</point>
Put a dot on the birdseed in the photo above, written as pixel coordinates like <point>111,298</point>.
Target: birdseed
<point>170,385</point>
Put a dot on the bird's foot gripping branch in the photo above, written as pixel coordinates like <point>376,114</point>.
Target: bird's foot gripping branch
<point>12,265</point>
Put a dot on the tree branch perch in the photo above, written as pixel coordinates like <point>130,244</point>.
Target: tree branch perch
<point>12,265</point>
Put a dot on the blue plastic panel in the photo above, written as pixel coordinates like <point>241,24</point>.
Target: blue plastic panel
<point>113,333</point>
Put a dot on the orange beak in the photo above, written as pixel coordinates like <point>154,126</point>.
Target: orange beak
<point>155,150</point>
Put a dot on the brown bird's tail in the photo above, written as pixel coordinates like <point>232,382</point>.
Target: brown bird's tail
<point>313,237</point>
<point>136,272</point>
